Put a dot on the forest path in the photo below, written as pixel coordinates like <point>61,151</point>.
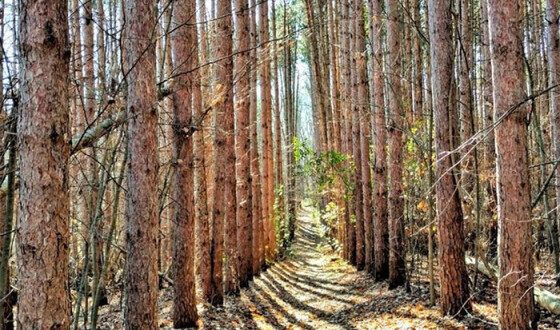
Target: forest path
<point>316,289</point>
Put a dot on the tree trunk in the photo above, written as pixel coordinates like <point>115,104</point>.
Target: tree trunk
<point>381,232</point>
<point>256,182</point>
<point>201,198</point>
<point>364,138</point>
<point>466,105</point>
<point>183,38</point>
<point>224,203</point>
<point>279,170</point>
<point>43,133</point>
<point>453,272</point>
<point>141,279</point>
<point>8,301</point>
<point>347,64</point>
<point>357,87</point>
<point>225,78</point>
<point>266,129</point>
<point>515,246</point>
<point>397,250</point>
<point>243,143</point>
<point>552,18</point>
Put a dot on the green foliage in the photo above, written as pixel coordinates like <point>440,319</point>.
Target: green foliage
<point>329,221</point>
<point>329,171</point>
<point>329,175</point>
<point>281,218</point>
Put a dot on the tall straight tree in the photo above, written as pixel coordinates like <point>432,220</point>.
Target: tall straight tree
<point>380,225</point>
<point>347,66</point>
<point>453,272</point>
<point>466,120</point>
<point>364,141</point>
<point>225,37</point>
<point>201,198</point>
<point>224,159</point>
<point>141,289</point>
<point>266,133</point>
<point>183,39</point>
<point>279,170</point>
<point>515,246</point>
<point>552,19</point>
<point>397,250</point>
<point>356,132</point>
<point>43,133</point>
<point>243,143</point>
<point>256,182</point>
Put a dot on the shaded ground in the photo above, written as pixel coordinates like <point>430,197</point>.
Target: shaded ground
<point>316,289</point>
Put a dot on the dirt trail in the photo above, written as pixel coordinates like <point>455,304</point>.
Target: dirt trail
<point>316,289</point>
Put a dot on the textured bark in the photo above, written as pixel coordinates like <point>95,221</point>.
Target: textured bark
<point>515,246</point>
<point>43,133</point>
<point>552,18</point>
<point>343,112</point>
<point>225,38</point>
<point>183,38</point>
<point>90,174</point>
<point>141,278</point>
<point>6,303</point>
<point>317,65</point>
<point>380,215</point>
<point>89,76</point>
<point>466,112</point>
<point>256,182</point>
<point>290,126</point>
<point>453,272</point>
<point>335,73</point>
<point>201,200</point>
<point>487,109</point>
<point>224,149</point>
<point>366,192</point>
<point>418,63</point>
<point>266,131</point>
<point>350,247</point>
<point>243,143</point>
<point>364,137</point>
<point>397,250</point>
<point>279,167</point>
<point>359,102</point>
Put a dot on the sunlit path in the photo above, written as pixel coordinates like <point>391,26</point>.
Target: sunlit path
<point>316,289</point>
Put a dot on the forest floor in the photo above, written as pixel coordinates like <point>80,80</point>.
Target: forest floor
<point>316,289</point>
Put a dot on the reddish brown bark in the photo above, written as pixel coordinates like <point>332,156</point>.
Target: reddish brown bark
<point>350,247</point>
<point>201,198</point>
<point>552,18</point>
<point>43,133</point>
<point>358,73</point>
<point>364,139</point>
<point>224,204</point>
<point>466,120</point>
<point>380,215</point>
<point>225,38</point>
<point>515,246</point>
<point>183,38</point>
<point>397,250</point>
<point>256,182</point>
<point>266,129</point>
<point>243,143</point>
<point>141,277</point>
<point>453,272</point>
